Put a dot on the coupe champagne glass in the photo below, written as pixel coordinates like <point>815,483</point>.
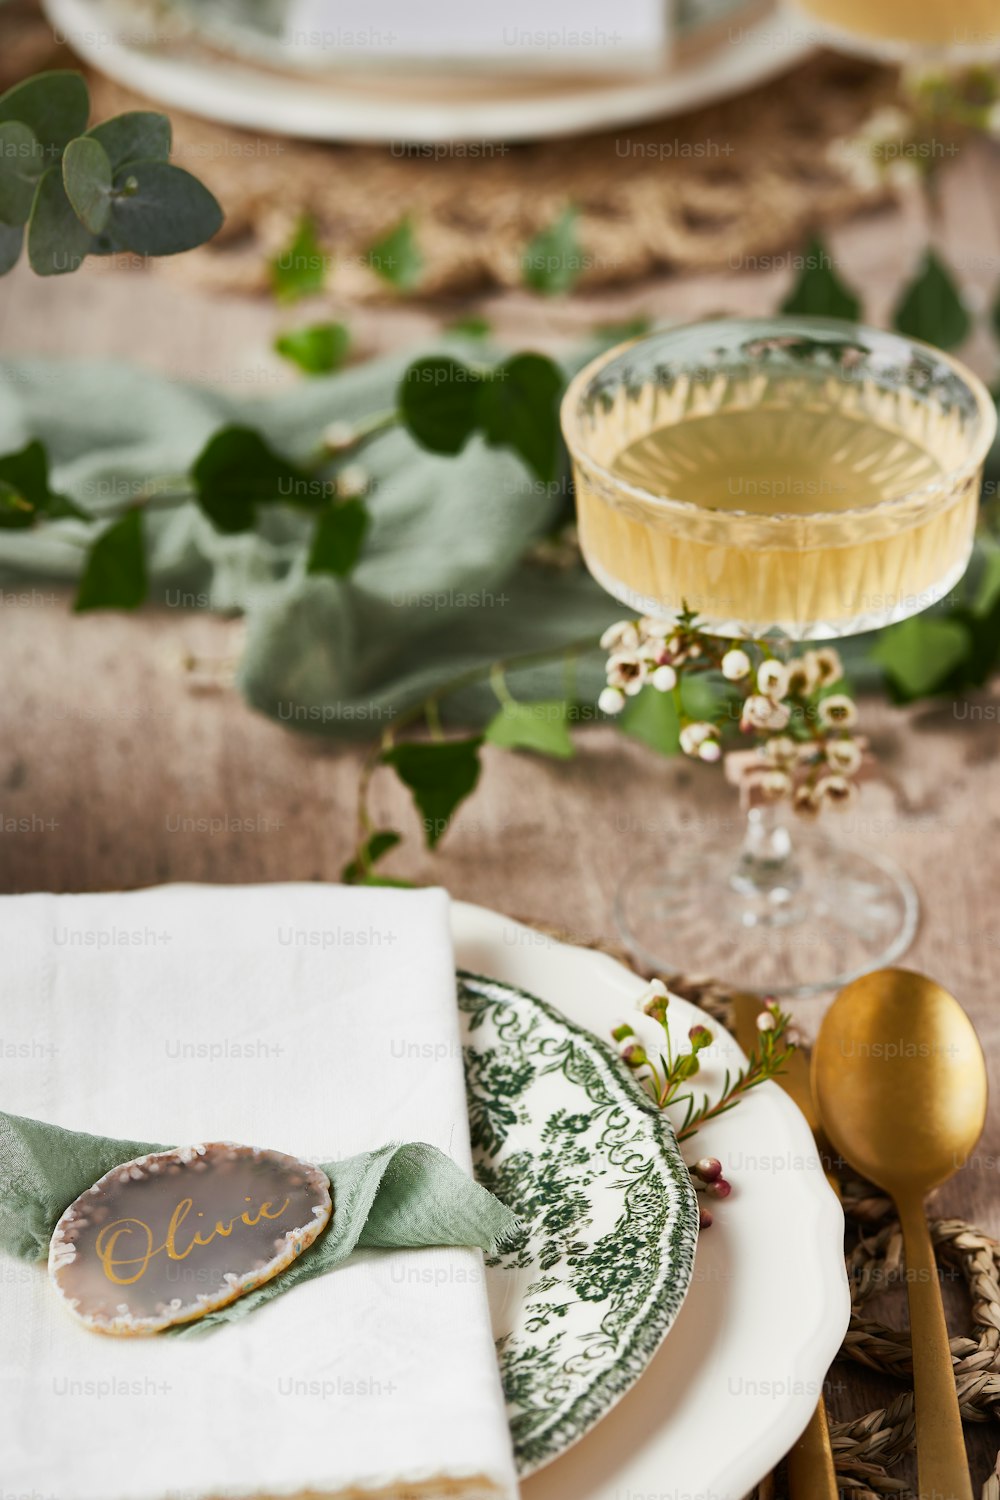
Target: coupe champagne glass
<point>787,479</point>
<point>916,31</point>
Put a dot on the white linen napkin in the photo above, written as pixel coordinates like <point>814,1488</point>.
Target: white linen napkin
<point>317,1020</point>
<point>588,34</point>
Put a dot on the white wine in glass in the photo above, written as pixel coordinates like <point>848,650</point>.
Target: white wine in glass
<point>789,479</point>
<point>921,29</point>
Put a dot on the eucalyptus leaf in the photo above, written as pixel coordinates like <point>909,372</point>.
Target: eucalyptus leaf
<point>396,258</point>
<point>54,106</point>
<point>338,538</point>
<point>553,260</point>
<point>318,349</point>
<point>11,242</point>
<point>301,268</point>
<point>540,726</point>
<point>518,408</point>
<point>87,178</point>
<point>931,307</point>
<point>22,162</point>
<point>375,847</point>
<point>57,241</point>
<point>115,575</point>
<point>440,775</point>
<point>920,654</point>
<point>237,470</point>
<point>819,291</point>
<point>438,400</point>
<point>159,209</point>
<point>138,135</point>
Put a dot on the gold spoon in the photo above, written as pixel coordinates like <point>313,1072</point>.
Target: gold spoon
<point>900,1085</point>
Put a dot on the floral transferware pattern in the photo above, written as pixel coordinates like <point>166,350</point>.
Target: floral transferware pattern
<point>583,1296</point>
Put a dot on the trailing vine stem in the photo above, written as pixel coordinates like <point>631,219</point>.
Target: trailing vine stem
<point>428,711</point>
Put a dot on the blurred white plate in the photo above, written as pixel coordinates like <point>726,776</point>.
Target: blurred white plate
<point>740,1372</point>
<point>360,106</point>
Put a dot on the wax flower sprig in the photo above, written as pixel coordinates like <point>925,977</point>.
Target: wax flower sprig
<point>805,752</point>
<point>667,1076</point>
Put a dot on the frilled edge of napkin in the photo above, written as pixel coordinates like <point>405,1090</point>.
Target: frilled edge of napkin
<point>400,1196</point>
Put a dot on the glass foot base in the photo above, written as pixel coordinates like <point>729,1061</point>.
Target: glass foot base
<point>840,913</point>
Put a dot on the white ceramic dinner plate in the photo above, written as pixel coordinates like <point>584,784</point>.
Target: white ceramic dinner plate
<point>738,1375</point>
<point>364,107</point>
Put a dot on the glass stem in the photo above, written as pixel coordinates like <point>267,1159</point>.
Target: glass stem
<point>766,866</point>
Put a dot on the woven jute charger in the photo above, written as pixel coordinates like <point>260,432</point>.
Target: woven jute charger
<point>868,1447</point>
<point>717,188</point>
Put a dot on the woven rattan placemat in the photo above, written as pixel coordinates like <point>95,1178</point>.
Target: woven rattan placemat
<point>718,188</point>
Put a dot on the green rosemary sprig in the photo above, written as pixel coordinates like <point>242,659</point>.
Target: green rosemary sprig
<point>667,1077</point>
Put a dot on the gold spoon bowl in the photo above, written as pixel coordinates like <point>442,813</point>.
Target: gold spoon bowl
<point>899,1080</point>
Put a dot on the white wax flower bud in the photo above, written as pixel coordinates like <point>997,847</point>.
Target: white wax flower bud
<point>735,665</point>
<point>664,679</point>
<point>611,701</point>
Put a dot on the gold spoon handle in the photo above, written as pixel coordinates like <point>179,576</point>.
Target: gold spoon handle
<point>811,1472</point>
<point>942,1463</point>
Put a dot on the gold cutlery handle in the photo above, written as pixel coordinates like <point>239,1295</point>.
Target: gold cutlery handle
<point>942,1462</point>
<point>811,1474</point>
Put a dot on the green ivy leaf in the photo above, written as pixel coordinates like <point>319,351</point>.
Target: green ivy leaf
<point>931,307</point>
<point>819,291</point>
<point>987,594</point>
<point>236,471</point>
<point>440,774</point>
<point>318,349</point>
<point>396,257</point>
<point>114,575</point>
<point>159,209</point>
<point>438,401</point>
<point>139,135</point>
<point>57,241</point>
<point>919,654</point>
<point>376,847</point>
<point>553,260</point>
<point>25,475</point>
<point>338,538</point>
<point>610,334</point>
<point>300,269</point>
<point>11,241</point>
<point>518,408</point>
<point>539,726</point>
<point>87,178</point>
<point>471,327</point>
<point>15,512</point>
<point>54,106</point>
<point>652,718</point>
<point>22,162</point>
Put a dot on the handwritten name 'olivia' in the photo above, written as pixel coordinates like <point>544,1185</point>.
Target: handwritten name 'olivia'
<point>118,1236</point>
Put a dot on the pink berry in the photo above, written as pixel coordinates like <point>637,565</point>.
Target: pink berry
<point>720,1188</point>
<point>704,1218</point>
<point>709,1169</point>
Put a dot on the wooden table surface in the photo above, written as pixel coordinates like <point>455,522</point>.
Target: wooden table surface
<point>116,773</point>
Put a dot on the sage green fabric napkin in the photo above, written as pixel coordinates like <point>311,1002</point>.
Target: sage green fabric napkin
<point>399,1196</point>
<point>442,586</point>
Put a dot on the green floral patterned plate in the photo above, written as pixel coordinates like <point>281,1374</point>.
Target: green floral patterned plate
<point>563,1136</point>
